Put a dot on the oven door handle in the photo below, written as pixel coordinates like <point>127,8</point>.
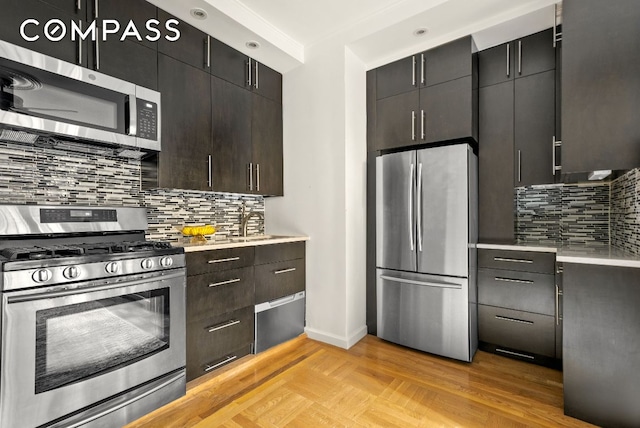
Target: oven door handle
<point>58,292</point>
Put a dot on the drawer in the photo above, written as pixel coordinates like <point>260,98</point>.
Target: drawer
<point>523,261</point>
<point>219,292</point>
<point>197,370</point>
<point>213,261</point>
<point>517,330</point>
<point>523,291</point>
<point>211,339</point>
<point>279,252</point>
<point>277,280</point>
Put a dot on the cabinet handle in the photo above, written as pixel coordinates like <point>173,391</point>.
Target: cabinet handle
<point>518,354</point>
<point>95,11</point>
<point>422,74</point>
<point>502,259</point>
<point>249,72</point>
<point>518,281</point>
<point>223,325</point>
<point>79,39</point>
<point>500,317</point>
<point>422,117</point>
<point>230,358</point>
<point>413,71</point>
<point>210,180</point>
<point>413,126</point>
<point>508,54</point>
<point>257,81</point>
<point>231,281</point>
<point>207,52</point>
<point>278,272</point>
<point>79,5</point>
<point>257,176</point>
<point>519,56</point>
<point>555,144</point>
<point>558,294</point>
<point>519,166</point>
<point>97,47</point>
<point>251,176</point>
<point>230,259</point>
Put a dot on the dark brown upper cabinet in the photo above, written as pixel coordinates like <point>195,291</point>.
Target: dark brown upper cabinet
<point>266,138</point>
<point>518,58</point>
<point>77,9</point>
<point>191,48</point>
<point>436,100</point>
<point>138,11</point>
<point>600,85</point>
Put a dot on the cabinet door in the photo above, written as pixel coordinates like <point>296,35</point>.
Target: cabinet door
<point>449,61</point>
<point>76,9</point>
<point>228,63</point>
<point>14,12</point>
<point>534,129</point>
<point>496,65</point>
<point>495,157</point>
<point>535,54</point>
<point>127,60</point>
<point>266,136</point>
<point>600,85</point>
<point>138,11</point>
<point>231,132</point>
<point>267,82</point>
<point>190,48</point>
<point>448,112</point>
<point>186,125</point>
<point>398,77</point>
<point>398,119</point>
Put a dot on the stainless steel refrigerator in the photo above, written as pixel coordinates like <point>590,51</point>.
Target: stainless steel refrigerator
<point>426,231</point>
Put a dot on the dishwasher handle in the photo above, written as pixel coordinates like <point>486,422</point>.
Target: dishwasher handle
<point>279,302</point>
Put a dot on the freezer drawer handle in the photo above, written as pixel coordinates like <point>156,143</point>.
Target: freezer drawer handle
<point>228,359</point>
<point>425,283</point>
<point>278,272</point>
<point>517,354</point>
<point>231,281</point>
<point>518,281</point>
<point>221,326</point>
<point>500,317</point>
<point>502,259</point>
<point>230,259</point>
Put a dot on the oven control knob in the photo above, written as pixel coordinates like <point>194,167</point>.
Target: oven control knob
<point>166,262</point>
<point>147,264</point>
<point>71,272</point>
<point>112,267</point>
<point>42,275</point>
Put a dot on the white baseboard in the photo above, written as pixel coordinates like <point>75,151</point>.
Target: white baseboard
<point>339,341</point>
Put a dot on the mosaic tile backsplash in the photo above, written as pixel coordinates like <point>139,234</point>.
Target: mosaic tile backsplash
<point>625,211</point>
<point>566,214</point>
<point>54,175</point>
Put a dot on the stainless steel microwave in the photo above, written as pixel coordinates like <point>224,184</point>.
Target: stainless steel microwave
<point>44,96</point>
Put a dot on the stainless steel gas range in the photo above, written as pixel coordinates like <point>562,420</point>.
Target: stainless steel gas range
<point>93,317</point>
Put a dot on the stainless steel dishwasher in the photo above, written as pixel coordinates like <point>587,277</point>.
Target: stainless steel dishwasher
<point>279,320</point>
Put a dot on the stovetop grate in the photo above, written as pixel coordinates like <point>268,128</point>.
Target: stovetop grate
<point>60,251</point>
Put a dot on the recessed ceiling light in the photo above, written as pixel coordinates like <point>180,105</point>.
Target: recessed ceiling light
<point>252,44</point>
<point>198,13</point>
<point>420,32</point>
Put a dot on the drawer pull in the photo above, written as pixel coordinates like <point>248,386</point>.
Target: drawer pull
<point>225,325</point>
<point>500,317</point>
<point>517,354</point>
<point>230,259</point>
<point>231,281</point>
<point>502,259</point>
<point>230,358</point>
<point>278,272</point>
<point>517,281</point>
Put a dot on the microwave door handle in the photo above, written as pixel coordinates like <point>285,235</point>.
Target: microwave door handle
<point>133,114</point>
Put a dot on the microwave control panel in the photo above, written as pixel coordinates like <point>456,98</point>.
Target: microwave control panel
<point>147,120</point>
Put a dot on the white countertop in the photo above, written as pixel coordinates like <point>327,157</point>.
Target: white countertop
<point>235,242</point>
<point>583,254</point>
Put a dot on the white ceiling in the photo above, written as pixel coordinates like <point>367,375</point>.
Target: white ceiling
<point>377,31</point>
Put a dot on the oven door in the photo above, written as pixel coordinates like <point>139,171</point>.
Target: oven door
<point>64,350</point>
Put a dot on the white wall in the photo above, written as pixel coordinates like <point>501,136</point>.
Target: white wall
<point>324,113</point>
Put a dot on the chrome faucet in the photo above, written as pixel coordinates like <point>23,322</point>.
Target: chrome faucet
<point>245,218</point>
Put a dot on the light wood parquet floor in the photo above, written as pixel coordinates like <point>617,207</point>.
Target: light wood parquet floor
<point>304,383</point>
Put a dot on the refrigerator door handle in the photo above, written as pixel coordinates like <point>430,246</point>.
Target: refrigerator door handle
<point>419,203</point>
<point>410,206</point>
<point>436,284</point>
